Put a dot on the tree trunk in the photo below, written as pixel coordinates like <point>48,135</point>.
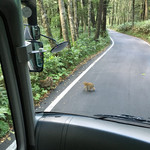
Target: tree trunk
<point>143,10</point>
<point>75,18</point>
<point>116,13</point>
<point>70,14</point>
<point>63,21</point>
<point>99,20</point>
<point>89,18</point>
<point>39,16</point>
<point>83,16</point>
<point>93,16</point>
<point>104,18</point>
<point>129,9</point>
<point>60,29</point>
<point>133,11</point>
<point>112,20</point>
<point>45,22</point>
<point>146,9</point>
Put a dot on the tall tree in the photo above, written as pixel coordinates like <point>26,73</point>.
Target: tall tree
<point>45,22</point>
<point>93,15</point>
<point>113,11</point>
<point>99,19</point>
<point>83,16</point>
<point>89,17</point>
<point>142,10</point>
<point>103,32</point>
<point>133,12</point>
<point>146,9</point>
<point>122,11</point>
<point>63,20</point>
<point>75,18</point>
<point>70,14</point>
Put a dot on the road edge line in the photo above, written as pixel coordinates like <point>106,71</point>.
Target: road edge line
<point>13,146</point>
<point>61,95</point>
<point>138,38</point>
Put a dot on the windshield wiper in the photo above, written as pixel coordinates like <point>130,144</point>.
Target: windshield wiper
<point>123,117</point>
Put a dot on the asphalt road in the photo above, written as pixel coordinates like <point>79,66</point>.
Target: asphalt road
<point>121,79</point>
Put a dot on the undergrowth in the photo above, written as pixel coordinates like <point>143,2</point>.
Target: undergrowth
<point>140,29</point>
<point>5,115</point>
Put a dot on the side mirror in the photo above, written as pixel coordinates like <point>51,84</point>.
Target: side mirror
<point>59,47</point>
<point>36,57</point>
<point>32,34</point>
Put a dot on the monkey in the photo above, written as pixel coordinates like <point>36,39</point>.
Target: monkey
<point>88,86</point>
<point>48,82</point>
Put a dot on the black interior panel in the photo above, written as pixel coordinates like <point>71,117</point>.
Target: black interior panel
<point>69,132</point>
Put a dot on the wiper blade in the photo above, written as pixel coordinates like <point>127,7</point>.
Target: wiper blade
<point>123,117</point>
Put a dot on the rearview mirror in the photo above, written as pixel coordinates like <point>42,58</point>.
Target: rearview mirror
<point>36,57</point>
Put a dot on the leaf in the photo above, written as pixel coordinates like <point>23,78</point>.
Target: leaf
<point>143,74</point>
<point>9,138</point>
<point>12,132</point>
<point>4,128</point>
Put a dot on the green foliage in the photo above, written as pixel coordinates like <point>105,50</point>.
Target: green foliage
<point>140,29</point>
<point>5,115</point>
<point>124,27</point>
<point>121,11</point>
<point>4,128</point>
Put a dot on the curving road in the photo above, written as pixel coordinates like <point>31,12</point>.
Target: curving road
<point>121,79</point>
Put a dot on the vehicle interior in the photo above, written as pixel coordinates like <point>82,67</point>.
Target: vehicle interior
<point>52,130</point>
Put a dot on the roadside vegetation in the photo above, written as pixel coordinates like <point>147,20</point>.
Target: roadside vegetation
<point>130,17</point>
<point>5,115</point>
<point>140,29</point>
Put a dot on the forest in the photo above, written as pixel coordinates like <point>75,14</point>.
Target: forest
<point>84,24</point>
<point>130,17</point>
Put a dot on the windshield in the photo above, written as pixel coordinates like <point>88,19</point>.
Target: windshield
<point>101,71</point>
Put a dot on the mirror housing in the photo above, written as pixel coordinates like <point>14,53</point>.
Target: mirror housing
<point>36,61</point>
<point>32,34</point>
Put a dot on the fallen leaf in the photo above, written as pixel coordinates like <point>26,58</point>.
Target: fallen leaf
<point>143,74</point>
<point>12,132</point>
<point>9,138</point>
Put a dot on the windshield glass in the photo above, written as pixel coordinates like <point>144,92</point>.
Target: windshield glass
<point>101,71</point>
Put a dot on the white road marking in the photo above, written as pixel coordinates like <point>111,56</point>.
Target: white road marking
<point>112,31</point>
<point>59,97</point>
<point>13,146</point>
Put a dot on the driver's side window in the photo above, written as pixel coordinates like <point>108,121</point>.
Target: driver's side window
<point>7,134</point>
